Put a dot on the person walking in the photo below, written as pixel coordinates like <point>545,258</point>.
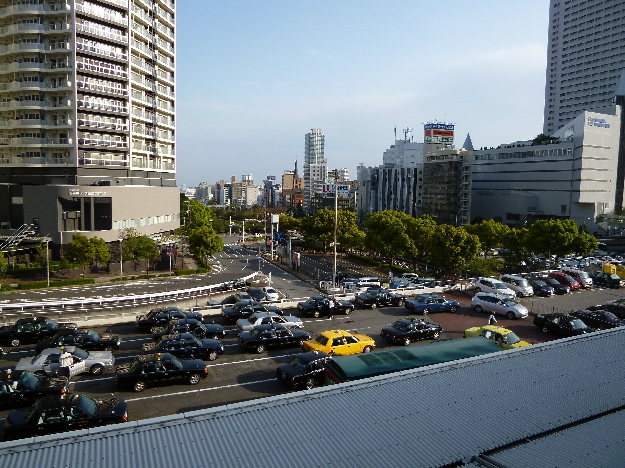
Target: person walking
<point>492,320</point>
<point>331,308</point>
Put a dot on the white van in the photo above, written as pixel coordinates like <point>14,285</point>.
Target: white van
<point>368,281</point>
<point>583,278</point>
<point>518,284</point>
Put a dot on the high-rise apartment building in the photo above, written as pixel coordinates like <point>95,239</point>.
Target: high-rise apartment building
<point>315,166</point>
<point>585,58</point>
<point>87,116</point>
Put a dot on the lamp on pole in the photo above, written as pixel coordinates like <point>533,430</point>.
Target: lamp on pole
<point>121,260</point>
<point>336,219</point>
<point>48,262</point>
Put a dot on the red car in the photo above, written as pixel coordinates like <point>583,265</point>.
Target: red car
<point>565,279</point>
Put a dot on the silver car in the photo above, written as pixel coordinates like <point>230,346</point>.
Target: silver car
<point>499,305</point>
<point>48,361</point>
<point>267,318</point>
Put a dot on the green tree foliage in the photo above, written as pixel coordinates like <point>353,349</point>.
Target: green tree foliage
<point>421,231</point>
<point>4,265</point>
<point>203,242</point>
<point>453,248</point>
<point>491,234</point>
<point>289,223</point>
<point>552,236</point>
<point>392,234</point>
<point>84,251</point>
<point>584,244</point>
<point>517,250</point>
<point>321,227</point>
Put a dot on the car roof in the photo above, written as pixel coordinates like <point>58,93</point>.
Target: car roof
<point>498,296</point>
<point>185,321</point>
<point>264,314</point>
<point>496,329</point>
<point>335,333</point>
<point>268,326</point>
<point>312,356</point>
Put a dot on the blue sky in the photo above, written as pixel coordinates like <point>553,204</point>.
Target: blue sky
<point>253,77</point>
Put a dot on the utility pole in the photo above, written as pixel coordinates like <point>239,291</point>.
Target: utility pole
<point>336,219</point>
<point>48,262</point>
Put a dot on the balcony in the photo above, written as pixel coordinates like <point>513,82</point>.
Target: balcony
<point>141,80</point>
<point>168,3</point>
<point>29,141</point>
<point>100,13</point>
<point>165,91</point>
<point>119,3</point>
<point>115,36</point>
<point>141,47</point>
<point>99,161</point>
<point>142,31</point>
<point>165,76</point>
<point>145,148</point>
<point>165,15</point>
<point>147,68</point>
<point>140,12</point>
<point>22,47</point>
<point>102,69</point>
<point>164,30</point>
<point>86,104</point>
<point>20,10</point>
<point>103,125</point>
<point>80,46</point>
<point>103,88</point>
<point>165,45</point>
<point>102,143</point>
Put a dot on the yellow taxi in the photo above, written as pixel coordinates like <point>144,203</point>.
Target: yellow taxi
<point>505,338</point>
<point>340,343</point>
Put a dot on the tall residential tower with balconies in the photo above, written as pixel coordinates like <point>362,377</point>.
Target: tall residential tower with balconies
<point>87,117</point>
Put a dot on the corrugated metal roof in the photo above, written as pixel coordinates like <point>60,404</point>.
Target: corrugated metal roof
<point>431,416</point>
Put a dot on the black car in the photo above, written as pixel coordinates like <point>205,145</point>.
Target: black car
<point>195,327</point>
<point>81,337</point>
<point>598,319</point>
<point>262,337</point>
<point>410,329</point>
<point>605,279</point>
<point>151,370</point>
<point>244,309</point>
<point>616,307</point>
<point>304,370</point>
<point>60,413</point>
<point>31,330</point>
<point>541,288</point>
<point>380,299</point>
<point>186,346</point>
<point>558,287</point>
<point>162,315</point>
<point>257,294</point>
<point>319,305</point>
<point>19,387</point>
<point>561,324</point>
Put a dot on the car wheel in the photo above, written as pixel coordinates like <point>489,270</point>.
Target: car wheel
<point>400,304</point>
<point>316,313</point>
<point>545,329</point>
<point>96,369</point>
<point>194,379</point>
<point>212,355</point>
<point>260,348</point>
<point>348,311</point>
<point>15,342</point>
<point>511,315</point>
<point>453,309</point>
<point>426,311</point>
<point>478,308</point>
<point>374,305</point>
<point>139,386</point>
<point>519,294</point>
<point>310,383</point>
<point>366,349</point>
<point>406,341</point>
<point>436,335</point>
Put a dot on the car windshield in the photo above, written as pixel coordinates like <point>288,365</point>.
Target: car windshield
<point>577,324</point>
<point>322,340</point>
<point>29,412</point>
<point>419,299</point>
<point>297,363</point>
<point>552,282</point>
<point>610,316</point>
<point>53,324</point>
<point>270,291</point>
<point>255,332</point>
<point>510,302</point>
<point>177,362</point>
<point>540,283</point>
<point>30,380</point>
<point>87,404</point>
<point>93,335</point>
<point>500,286</point>
<point>615,277</point>
<point>583,275</point>
<point>523,283</point>
<point>80,353</point>
<point>401,326</point>
<point>512,338</point>
<point>569,279</point>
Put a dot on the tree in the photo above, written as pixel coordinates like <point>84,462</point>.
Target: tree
<point>101,252</point>
<point>491,234</point>
<point>389,233</point>
<point>421,232</point>
<point>453,248</point>
<point>517,251</point>
<point>320,227</point>
<point>552,236</point>
<point>4,265</point>
<point>204,242</point>
<point>584,244</point>
<point>289,223</point>
<point>84,251</point>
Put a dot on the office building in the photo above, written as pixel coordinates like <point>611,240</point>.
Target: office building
<point>585,58</point>
<point>87,117</point>
<point>315,166</point>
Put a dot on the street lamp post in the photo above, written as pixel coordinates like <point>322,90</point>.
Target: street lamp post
<point>121,260</point>
<point>48,262</point>
<point>336,219</point>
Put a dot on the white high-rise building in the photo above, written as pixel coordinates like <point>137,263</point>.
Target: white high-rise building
<point>585,58</point>
<point>315,166</point>
<point>87,116</point>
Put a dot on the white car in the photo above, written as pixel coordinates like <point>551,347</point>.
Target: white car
<point>487,302</point>
<point>267,318</point>
<point>492,285</point>
<point>270,293</point>
<point>48,361</point>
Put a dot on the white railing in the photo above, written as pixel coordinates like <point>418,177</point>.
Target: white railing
<point>164,30</point>
<point>102,106</point>
<point>100,50</point>
<point>102,32</point>
<point>86,161</point>
<point>105,70</point>
<point>164,45</point>
<point>167,16</point>
<point>102,88</point>
<point>99,12</point>
<point>101,124</point>
<point>100,142</point>
<point>13,9</point>
<point>165,91</point>
<point>143,81</point>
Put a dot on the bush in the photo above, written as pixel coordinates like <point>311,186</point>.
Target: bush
<point>5,287</point>
<point>485,267</point>
<point>55,284</point>
<point>190,272</point>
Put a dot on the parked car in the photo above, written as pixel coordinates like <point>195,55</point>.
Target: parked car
<point>162,315</point>
<point>81,337</point>
<point>429,303</point>
<point>263,337</point>
<point>318,305</point>
<point>405,331</point>
<point>492,285</point>
<point>305,370</point>
<point>540,287</point>
<point>518,284</point>
<point>238,297</point>
<point>30,330</point>
<point>558,287</point>
<point>17,387</point>
<point>268,318</point>
<point>564,279</point>
<point>616,307</point>
<point>487,302</point>
<point>505,338</point>
<point>60,413</point>
<point>561,324</point>
<point>257,294</point>
<point>48,361</point>
<point>583,278</point>
<point>598,319</point>
<point>340,342</point>
<point>151,370</point>
<point>195,327</point>
<point>244,309</point>
<point>185,346</point>
<point>380,299</point>
<point>606,280</point>
<point>270,293</point>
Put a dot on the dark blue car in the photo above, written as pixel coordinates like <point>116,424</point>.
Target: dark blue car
<point>428,303</point>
